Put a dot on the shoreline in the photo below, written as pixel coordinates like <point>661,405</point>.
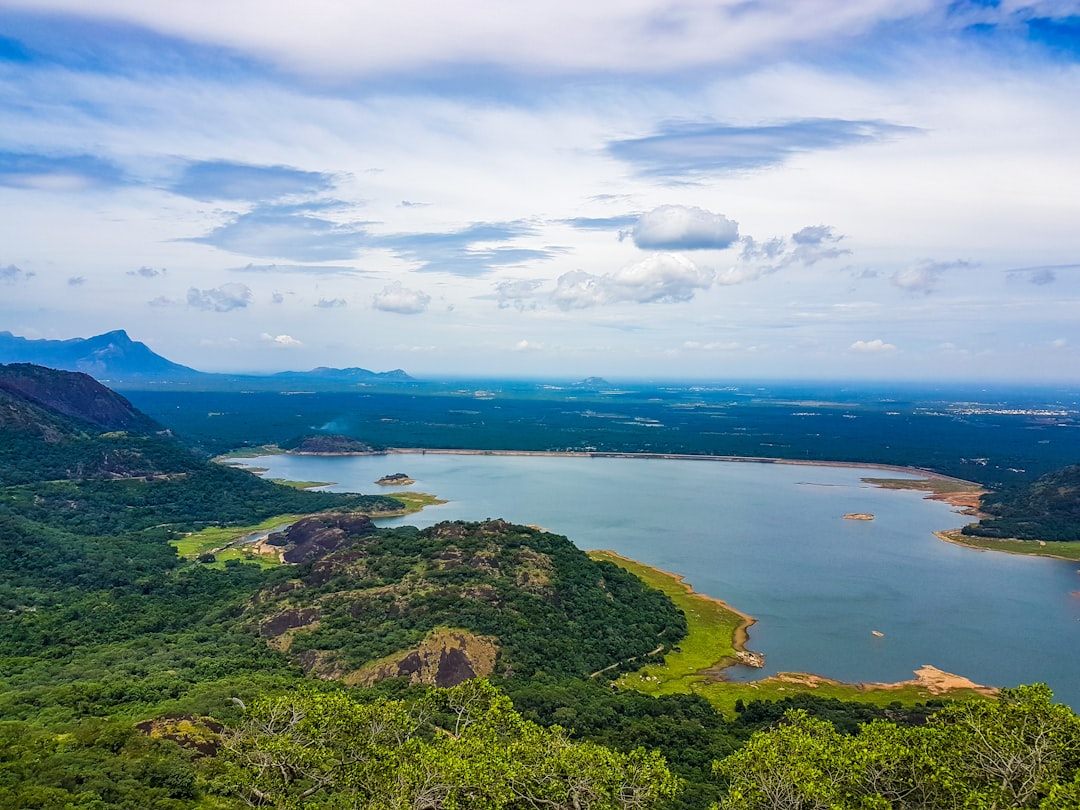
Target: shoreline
<point>929,681</point>
<point>442,451</point>
<point>953,536</point>
<point>667,456</point>
<point>740,638</point>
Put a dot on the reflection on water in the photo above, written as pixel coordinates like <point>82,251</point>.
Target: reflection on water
<point>772,541</point>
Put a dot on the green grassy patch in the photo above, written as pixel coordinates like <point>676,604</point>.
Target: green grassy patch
<point>723,695</point>
<point>197,543</point>
<point>1039,548</point>
<point>710,643</point>
<point>934,485</point>
<point>251,452</point>
<point>246,555</point>
<point>414,502</point>
<point>296,484</point>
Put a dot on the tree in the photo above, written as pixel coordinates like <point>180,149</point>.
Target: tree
<point>1015,752</point>
<point>457,748</point>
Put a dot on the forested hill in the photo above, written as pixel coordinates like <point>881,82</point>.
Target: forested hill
<point>27,388</point>
<point>1047,509</point>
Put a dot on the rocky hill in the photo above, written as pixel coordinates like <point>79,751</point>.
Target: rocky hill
<point>454,601</point>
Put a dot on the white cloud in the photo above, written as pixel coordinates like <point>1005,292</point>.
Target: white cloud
<point>516,293</point>
<point>660,278</point>
<point>527,346</point>
<point>280,340</point>
<point>923,276</point>
<point>229,296</point>
<point>876,346</point>
<point>681,227</point>
<point>712,346</point>
<point>805,247</point>
<point>396,298</point>
<point>651,36</point>
<point>1060,343</point>
<point>331,303</point>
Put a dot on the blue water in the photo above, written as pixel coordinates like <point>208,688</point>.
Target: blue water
<point>771,540</point>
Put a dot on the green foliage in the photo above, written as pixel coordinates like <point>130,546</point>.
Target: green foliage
<point>1047,509</point>
<point>901,426</point>
<point>1011,753</point>
<point>549,606</point>
<point>454,749</point>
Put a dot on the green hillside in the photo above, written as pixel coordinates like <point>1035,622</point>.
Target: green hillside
<point>1047,509</point>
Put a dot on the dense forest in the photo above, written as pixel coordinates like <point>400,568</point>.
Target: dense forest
<point>132,677</point>
<point>1048,509</point>
<point>994,437</point>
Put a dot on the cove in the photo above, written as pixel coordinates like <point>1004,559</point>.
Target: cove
<point>771,540</point>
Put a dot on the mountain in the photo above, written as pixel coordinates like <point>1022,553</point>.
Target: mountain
<point>112,356</point>
<point>343,375</point>
<point>118,360</point>
<point>64,426</point>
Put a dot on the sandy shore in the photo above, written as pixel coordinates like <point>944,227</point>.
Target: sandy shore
<point>933,680</point>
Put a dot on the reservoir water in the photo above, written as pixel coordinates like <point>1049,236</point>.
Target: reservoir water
<point>771,540</point>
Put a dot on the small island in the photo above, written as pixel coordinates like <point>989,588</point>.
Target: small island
<point>395,480</point>
<point>858,516</point>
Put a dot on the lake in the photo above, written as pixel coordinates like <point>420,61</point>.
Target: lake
<point>771,540</point>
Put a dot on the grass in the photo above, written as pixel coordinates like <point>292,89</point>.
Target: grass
<point>194,545</point>
<point>715,633</point>
<point>1037,548</point>
<point>723,695</point>
<point>296,484</point>
<point>198,543</point>
<point>710,643</point>
<point>414,502</point>
<point>251,452</point>
<point>935,486</point>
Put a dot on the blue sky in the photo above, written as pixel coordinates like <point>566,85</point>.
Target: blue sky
<point>714,190</point>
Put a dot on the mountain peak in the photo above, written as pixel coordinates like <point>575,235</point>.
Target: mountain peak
<point>110,356</point>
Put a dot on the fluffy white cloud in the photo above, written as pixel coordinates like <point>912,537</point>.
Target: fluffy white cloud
<point>681,227</point>
<point>229,296</point>
<point>396,298</point>
<point>280,340</point>
<point>527,346</point>
<point>331,303</point>
<point>660,278</point>
<point>876,346</point>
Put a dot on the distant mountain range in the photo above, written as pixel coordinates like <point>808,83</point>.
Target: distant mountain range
<point>116,359</point>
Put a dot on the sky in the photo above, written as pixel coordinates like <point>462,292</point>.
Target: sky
<point>724,189</point>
